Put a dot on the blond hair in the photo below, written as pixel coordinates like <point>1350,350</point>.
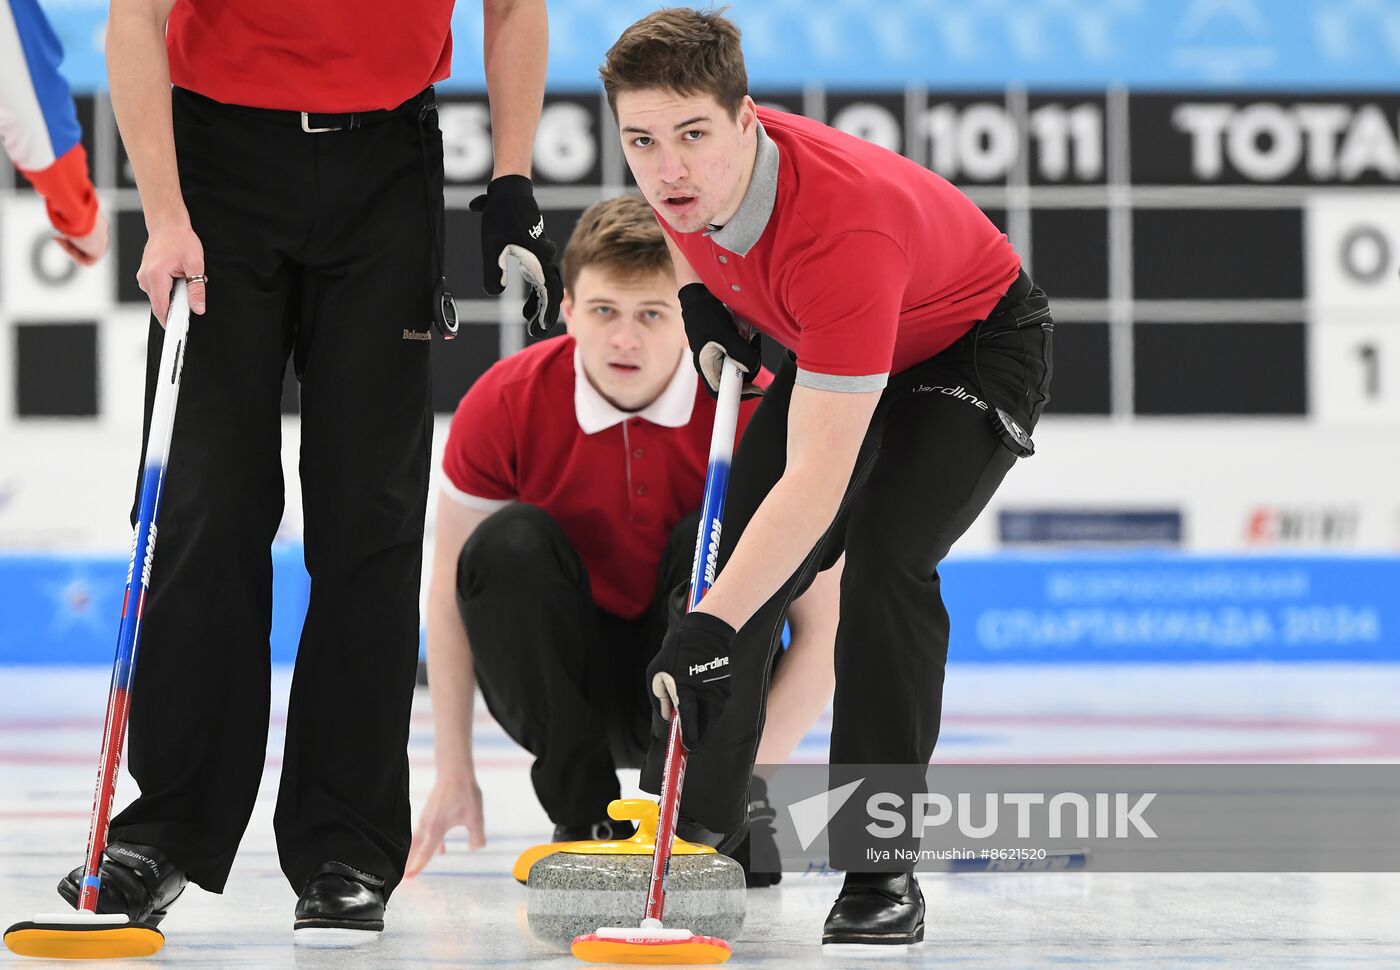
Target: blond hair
<point>620,236</point>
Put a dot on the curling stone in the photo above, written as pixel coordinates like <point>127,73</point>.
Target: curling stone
<point>580,886</point>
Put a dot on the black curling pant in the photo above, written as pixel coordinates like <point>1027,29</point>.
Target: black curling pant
<point>928,466</point>
<point>317,247</point>
<point>566,680</point>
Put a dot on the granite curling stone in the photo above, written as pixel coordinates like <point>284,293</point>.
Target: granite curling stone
<point>585,885</point>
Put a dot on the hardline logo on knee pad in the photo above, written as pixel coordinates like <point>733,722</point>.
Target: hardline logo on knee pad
<point>960,393</point>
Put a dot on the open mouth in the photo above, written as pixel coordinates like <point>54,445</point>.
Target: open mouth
<point>678,203</point>
<point>623,367</point>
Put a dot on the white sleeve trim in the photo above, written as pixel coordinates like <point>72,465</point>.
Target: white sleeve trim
<point>840,382</point>
<point>473,501</point>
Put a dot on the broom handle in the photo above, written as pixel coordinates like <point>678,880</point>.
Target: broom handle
<point>702,577</point>
<point>143,547</point>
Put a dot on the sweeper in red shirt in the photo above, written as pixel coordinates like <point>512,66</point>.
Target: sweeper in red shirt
<point>289,162</point>
<point>572,480</point>
<point>920,362</point>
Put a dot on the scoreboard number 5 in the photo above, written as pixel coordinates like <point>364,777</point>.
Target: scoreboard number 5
<point>566,142</point>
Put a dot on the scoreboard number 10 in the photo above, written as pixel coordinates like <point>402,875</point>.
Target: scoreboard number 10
<point>981,141</point>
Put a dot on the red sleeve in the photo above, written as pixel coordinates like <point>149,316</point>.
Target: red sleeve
<point>845,295</point>
<point>68,192</point>
<point>479,460</point>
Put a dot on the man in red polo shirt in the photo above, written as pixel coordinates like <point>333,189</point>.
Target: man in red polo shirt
<point>573,475</point>
<point>921,360</point>
<point>293,176</point>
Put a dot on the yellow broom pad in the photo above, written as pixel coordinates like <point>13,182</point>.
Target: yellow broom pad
<point>82,938</point>
<point>594,948</point>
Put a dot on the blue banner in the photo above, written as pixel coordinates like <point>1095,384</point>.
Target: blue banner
<point>953,43</point>
<point>67,609</point>
<point>1172,609</point>
<point>1007,608</point>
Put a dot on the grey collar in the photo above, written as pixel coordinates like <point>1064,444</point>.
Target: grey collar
<point>741,233</point>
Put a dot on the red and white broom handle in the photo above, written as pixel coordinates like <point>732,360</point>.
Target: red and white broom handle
<point>138,581</point>
<point>702,577</point>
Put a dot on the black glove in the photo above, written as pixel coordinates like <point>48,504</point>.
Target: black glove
<point>511,225</point>
<point>691,671</point>
<point>713,335</point>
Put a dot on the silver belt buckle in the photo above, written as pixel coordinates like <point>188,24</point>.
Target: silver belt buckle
<point>306,127</point>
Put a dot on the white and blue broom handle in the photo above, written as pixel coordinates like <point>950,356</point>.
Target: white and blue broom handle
<point>138,581</point>
<point>702,575</point>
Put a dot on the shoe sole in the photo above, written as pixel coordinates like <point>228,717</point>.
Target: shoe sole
<point>875,942</point>
<point>336,933</point>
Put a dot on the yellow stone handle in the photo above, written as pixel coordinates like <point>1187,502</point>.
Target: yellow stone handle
<point>643,811</point>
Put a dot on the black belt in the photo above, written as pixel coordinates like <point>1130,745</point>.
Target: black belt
<point>418,107</point>
<point>317,122</point>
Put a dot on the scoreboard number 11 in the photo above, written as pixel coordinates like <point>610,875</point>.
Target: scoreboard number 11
<point>981,141</point>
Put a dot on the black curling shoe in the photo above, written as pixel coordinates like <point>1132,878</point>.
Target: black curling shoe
<point>879,908</point>
<point>608,830</point>
<point>138,880</point>
<point>339,904</point>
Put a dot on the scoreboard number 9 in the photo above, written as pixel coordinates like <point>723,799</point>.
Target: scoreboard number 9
<point>981,141</point>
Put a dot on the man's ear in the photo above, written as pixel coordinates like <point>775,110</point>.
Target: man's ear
<point>748,115</point>
<point>566,311</point>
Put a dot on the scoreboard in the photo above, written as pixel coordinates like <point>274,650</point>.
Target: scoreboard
<point>1224,270</point>
<point>1205,254</point>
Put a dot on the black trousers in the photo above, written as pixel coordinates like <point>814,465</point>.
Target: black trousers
<point>317,247</point>
<point>566,680</point>
<point>928,466</point>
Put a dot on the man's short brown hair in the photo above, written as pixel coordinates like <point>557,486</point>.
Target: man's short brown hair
<point>682,50</point>
<point>620,236</point>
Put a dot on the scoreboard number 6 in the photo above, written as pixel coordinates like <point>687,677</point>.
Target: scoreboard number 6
<point>566,142</point>
<point>566,146</point>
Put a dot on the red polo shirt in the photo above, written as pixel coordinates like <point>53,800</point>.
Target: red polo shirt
<point>533,429</point>
<point>328,56</point>
<point>861,261</point>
